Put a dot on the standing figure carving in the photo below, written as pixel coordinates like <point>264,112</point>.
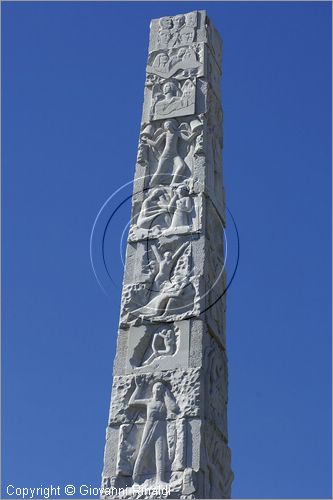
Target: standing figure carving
<point>171,166</point>
<point>181,208</point>
<point>154,442</point>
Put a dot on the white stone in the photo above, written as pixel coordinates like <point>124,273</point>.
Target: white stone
<point>167,432</point>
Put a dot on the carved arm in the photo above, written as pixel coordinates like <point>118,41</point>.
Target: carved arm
<point>158,258</point>
<point>156,143</point>
<point>189,138</point>
<point>153,346</point>
<point>180,249</point>
<point>134,401</point>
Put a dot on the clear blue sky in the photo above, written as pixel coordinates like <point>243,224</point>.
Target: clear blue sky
<point>72,91</point>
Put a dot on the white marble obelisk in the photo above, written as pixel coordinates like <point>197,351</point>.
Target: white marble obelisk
<point>167,431</point>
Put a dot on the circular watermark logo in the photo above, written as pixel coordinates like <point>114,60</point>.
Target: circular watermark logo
<point>171,271</point>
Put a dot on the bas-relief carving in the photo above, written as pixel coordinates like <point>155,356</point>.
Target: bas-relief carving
<point>155,406</point>
<point>166,211</point>
<point>171,98</point>
<point>182,30</point>
<point>153,343</point>
<point>180,63</point>
<point>215,384</point>
<point>168,150</point>
<point>218,474</point>
<point>168,32</point>
<point>170,290</point>
<point>183,384</point>
<point>189,486</point>
<point>215,265</point>
<point>215,272</point>
<point>156,451</point>
<point>162,347</point>
<point>151,417</point>
<point>214,246</point>
<point>163,344</point>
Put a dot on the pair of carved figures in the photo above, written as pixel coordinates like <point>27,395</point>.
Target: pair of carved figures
<point>165,210</point>
<point>177,30</point>
<point>182,62</point>
<point>168,291</point>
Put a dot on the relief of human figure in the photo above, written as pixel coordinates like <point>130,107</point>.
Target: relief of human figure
<point>154,209</point>
<point>169,340</point>
<point>161,62</point>
<point>165,211</point>
<point>179,30</point>
<point>164,34</point>
<point>154,442</point>
<point>187,32</point>
<point>178,23</point>
<point>171,168</point>
<point>180,207</point>
<point>183,61</point>
<point>143,150</point>
<point>165,265</point>
<point>172,99</point>
<point>172,291</point>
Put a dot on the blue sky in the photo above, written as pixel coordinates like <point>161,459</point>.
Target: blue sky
<point>72,91</point>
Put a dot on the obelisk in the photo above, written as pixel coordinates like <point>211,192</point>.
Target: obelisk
<point>167,432</point>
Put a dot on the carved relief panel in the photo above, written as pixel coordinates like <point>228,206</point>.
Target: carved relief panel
<point>166,289</point>
<point>166,210</point>
<point>162,347</point>
<point>171,98</point>
<point>183,29</point>
<point>183,384</point>
<point>178,63</point>
<point>167,151</point>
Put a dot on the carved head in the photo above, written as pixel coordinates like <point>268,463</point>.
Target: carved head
<point>188,86</point>
<point>168,256</point>
<point>164,37</point>
<point>158,390</point>
<point>166,23</point>
<point>156,194</point>
<point>182,190</point>
<point>169,334</point>
<point>164,58</point>
<point>181,52</point>
<point>170,125</point>
<point>170,88</point>
<point>187,35</point>
<point>178,21</point>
